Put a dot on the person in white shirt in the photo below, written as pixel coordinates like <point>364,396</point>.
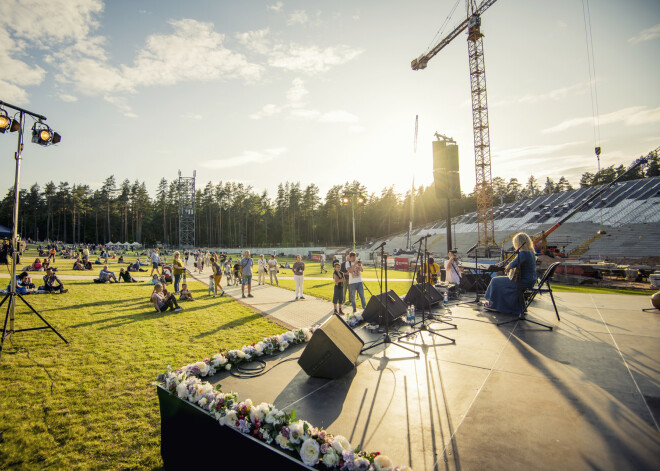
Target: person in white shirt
<point>261,270</point>
<point>272,270</point>
<point>155,259</point>
<point>355,285</point>
<point>453,274</point>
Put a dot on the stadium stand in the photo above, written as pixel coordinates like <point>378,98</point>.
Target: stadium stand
<point>628,213</point>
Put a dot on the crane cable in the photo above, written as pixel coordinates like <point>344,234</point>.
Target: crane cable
<point>443,26</point>
<point>593,90</point>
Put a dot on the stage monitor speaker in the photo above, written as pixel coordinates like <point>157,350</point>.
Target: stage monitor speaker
<point>332,351</point>
<point>394,307</point>
<point>445,170</point>
<point>423,295</point>
<point>469,281</point>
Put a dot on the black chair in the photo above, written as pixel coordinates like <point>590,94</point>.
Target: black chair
<point>528,295</point>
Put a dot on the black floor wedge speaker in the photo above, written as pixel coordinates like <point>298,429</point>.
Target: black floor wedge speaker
<point>423,295</point>
<point>393,305</point>
<point>332,351</point>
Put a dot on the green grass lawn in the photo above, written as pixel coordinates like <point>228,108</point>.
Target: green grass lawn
<point>90,404</point>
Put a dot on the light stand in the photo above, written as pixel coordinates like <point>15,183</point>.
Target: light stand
<point>382,310</point>
<point>12,294</point>
<point>423,327</point>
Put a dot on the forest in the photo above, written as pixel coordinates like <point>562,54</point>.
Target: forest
<point>230,214</point>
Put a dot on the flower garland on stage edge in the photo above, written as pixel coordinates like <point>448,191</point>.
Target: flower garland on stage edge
<point>263,421</point>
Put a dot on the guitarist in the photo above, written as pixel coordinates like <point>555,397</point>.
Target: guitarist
<point>503,293</point>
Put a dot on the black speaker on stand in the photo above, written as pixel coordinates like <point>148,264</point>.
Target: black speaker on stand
<point>423,295</point>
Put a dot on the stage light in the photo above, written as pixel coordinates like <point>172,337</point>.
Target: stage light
<point>43,135</point>
<point>7,123</point>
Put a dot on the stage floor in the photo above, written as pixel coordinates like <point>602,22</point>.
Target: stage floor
<point>584,396</point>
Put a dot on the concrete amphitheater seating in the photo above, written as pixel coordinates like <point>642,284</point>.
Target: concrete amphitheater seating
<point>629,212</point>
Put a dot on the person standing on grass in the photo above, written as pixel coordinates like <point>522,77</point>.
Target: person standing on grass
<point>298,276</point>
<point>323,270</point>
<point>355,285</point>
<point>179,270</point>
<point>164,302</point>
<point>338,295</point>
<point>344,270</point>
<point>261,269</point>
<point>273,269</point>
<point>155,259</point>
<point>217,275</point>
<point>246,279</point>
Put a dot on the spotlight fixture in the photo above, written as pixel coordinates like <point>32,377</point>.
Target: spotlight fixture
<point>7,123</point>
<point>43,135</point>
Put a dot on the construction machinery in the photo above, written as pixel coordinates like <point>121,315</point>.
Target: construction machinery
<point>483,187</point>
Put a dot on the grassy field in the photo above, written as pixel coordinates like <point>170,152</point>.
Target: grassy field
<point>90,404</point>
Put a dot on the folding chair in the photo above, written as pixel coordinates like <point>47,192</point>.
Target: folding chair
<point>528,295</point>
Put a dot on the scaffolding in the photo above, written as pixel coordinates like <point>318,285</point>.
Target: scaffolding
<point>187,211</point>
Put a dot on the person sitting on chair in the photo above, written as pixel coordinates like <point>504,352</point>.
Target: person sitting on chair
<point>106,275</point>
<point>503,294</point>
<point>125,276</point>
<point>52,283</point>
<point>432,271</point>
<point>453,274</point>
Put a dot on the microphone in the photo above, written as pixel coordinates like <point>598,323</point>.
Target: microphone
<point>380,246</point>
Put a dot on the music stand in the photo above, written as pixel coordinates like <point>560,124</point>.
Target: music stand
<point>382,310</point>
<point>423,327</point>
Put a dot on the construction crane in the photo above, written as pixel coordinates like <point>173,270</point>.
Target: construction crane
<point>484,187</point>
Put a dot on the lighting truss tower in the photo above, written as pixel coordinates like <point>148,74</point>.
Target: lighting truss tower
<point>484,183</point>
<point>187,211</point>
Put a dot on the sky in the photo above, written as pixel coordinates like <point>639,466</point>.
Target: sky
<point>263,92</point>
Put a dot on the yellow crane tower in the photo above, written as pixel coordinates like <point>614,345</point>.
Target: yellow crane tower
<point>484,187</point>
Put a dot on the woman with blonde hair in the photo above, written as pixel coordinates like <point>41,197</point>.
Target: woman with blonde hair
<point>179,270</point>
<point>503,293</point>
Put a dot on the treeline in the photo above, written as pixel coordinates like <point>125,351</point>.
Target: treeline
<point>230,214</point>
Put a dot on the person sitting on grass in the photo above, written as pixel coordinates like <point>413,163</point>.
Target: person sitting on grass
<point>52,283</point>
<point>88,265</point>
<point>23,284</point>
<point>163,302</point>
<point>120,259</point>
<point>36,266</point>
<point>78,265</point>
<point>186,295</point>
<point>125,276</point>
<point>106,275</point>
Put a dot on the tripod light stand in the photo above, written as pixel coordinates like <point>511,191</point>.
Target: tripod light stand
<point>42,135</point>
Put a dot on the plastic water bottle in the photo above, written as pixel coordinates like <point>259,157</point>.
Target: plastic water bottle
<point>446,301</point>
<point>410,316</point>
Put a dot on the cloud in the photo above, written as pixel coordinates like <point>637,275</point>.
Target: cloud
<point>297,93</point>
<point>646,35</point>
<point>310,59</point>
<point>256,41</point>
<point>517,153</point>
<point>339,116</point>
<point>298,17</point>
<point>246,158</point>
<point>277,7</point>
<point>632,116</point>
<point>305,114</point>
<point>67,98</point>
<point>266,111</point>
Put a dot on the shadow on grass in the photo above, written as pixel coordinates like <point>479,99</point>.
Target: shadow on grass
<point>229,325</point>
<point>98,303</point>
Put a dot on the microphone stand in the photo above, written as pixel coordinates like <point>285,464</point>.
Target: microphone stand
<point>423,327</point>
<point>382,311</point>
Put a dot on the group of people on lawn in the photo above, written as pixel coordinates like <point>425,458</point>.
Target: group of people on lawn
<point>52,283</point>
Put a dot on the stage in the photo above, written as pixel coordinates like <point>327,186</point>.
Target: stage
<point>583,396</point>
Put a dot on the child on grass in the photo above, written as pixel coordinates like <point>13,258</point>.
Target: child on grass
<point>186,295</point>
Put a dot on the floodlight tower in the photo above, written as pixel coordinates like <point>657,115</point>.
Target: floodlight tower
<point>187,211</point>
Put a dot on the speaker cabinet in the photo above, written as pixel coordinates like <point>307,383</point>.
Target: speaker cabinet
<point>445,169</point>
<point>332,351</point>
<point>469,281</point>
<point>423,295</point>
<point>393,306</point>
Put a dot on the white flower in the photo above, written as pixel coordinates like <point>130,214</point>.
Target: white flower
<point>308,334</point>
<point>283,442</point>
<point>331,458</point>
<point>340,443</point>
<point>203,402</point>
<point>274,416</point>
<point>289,336</point>
<point>229,419</point>
<point>182,390</point>
<point>219,359</point>
<point>383,463</point>
<point>228,366</point>
<point>259,348</point>
<point>203,368</point>
<point>258,413</point>
<point>296,431</point>
<point>283,346</point>
<point>309,452</point>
